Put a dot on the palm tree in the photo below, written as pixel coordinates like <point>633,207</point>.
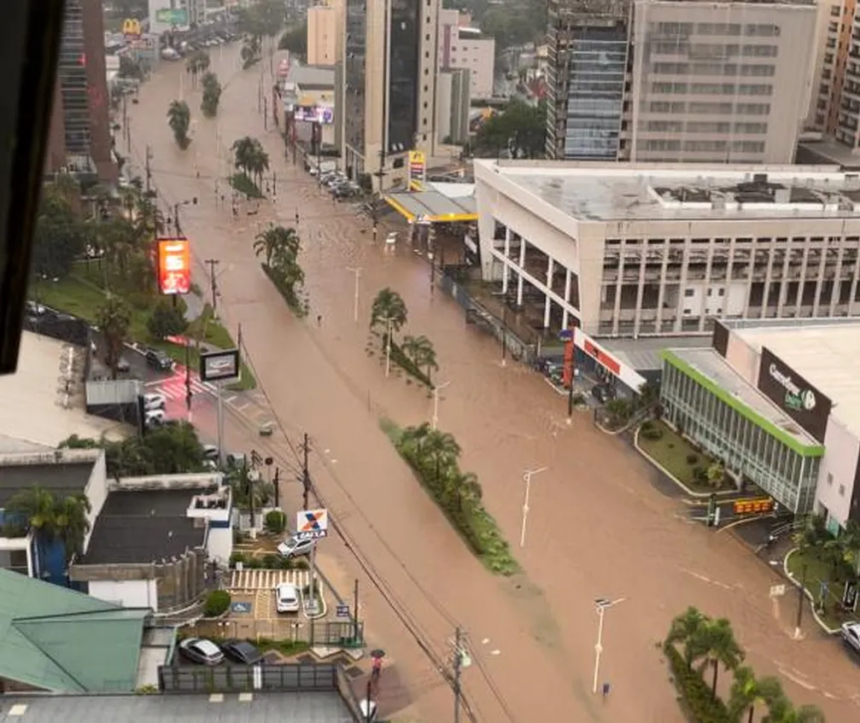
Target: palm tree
<point>179,120</point>
<point>439,447</point>
<point>716,641</point>
<point>259,162</point>
<point>113,319</point>
<point>277,241</point>
<point>420,350</point>
<point>35,510</point>
<point>748,692</point>
<point>250,50</point>
<point>466,490</point>
<point>849,540</point>
<point>804,714</point>
<point>72,523</point>
<point>684,631</point>
<point>197,63</point>
<point>211,95</point>
<point>388,307</point>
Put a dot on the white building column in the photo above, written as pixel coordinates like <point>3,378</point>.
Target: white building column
<point>520,272</point>
<point>506,270</point>
<point>565,317</point>
<point>547,301</point>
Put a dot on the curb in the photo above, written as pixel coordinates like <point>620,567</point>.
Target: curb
<point>790,577</point>
<point>655,463</point>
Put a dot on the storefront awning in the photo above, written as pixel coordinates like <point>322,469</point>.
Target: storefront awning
<point>433,207</point>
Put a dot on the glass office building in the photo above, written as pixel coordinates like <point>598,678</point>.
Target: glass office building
<point>730,420</point>
<point>404,42</point>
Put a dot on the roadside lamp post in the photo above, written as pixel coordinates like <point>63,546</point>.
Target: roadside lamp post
<point>527,477</point>
<point>602,605</point>
<point>436,389</point>
<point>388,323</point>
<point>357,271</point>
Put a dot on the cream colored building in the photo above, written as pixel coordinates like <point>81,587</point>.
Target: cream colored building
<point>326,32</point>
<point>462,46</point>
<point>651,250</point>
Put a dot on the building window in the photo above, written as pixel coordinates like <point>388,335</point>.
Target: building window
<point>751,128</point>
<point>689,292</point>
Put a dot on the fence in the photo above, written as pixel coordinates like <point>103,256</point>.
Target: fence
<point>296,677</point>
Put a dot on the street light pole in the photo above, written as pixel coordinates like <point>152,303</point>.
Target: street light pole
<point>357,272</point>
<point>602,606</point>
<point>527,477</point>
<point>388,322</point>
<point>436,389</point>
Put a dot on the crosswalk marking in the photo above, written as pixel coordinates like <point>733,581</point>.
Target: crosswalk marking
<point>174,387</point>
<point>253,580</point>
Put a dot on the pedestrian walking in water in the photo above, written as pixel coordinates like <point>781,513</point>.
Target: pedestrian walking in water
<point>319,319</point>
<point>377,669</point>
<point>606,688</point>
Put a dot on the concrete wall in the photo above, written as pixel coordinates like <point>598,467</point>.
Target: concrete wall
<point>96,492</point>
<point>743,358</point>
<point>325,33</point>
<point>128,593</point>
<point>837,471</point>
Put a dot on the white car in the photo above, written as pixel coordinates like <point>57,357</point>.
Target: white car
<point>154,418</point>
<point>287,598</point>
<point>850,633</point>
<point>211,452</point>
<point>151,402</point>
<point>293,547</point>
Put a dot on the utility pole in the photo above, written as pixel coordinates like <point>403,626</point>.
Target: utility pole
<point>801,593</point>
<point>357,272</point>
<point>436,389</point>
<point>504,332</point>
<point>306,477</point>
<point>148,170</point>
<point>388,322</point>
<point>213,281</point>
<point>188,392</point>
<point>276,484</point>
<point>355,611</point>
<point>125,127</point>
<point>527,478</point>
<point>458,667</point>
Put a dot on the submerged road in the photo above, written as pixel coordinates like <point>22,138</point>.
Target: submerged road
<point>597,527</point>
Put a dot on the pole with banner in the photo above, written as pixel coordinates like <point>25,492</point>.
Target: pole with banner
<point>218,367</point>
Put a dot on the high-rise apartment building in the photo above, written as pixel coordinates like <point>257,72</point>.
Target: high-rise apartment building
<point>79,139</point>
<point>833,42</point>
<point>725,82</point>
<point>326,33</point>
<point>462,46</point>
<point>389,86</point>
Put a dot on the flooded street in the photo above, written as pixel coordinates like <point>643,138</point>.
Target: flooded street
<point>597,528</point>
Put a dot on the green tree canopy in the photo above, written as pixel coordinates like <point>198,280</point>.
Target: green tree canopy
<point>388,306</point>
<point>179,120</point>
<point>113,319</point>
<point>519,130</point>
<point>295,40</point>
<point>60,236</point>
<point>166,320</point>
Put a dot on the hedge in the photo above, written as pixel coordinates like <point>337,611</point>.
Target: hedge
<point>695,693</point>
<point>217,603</point>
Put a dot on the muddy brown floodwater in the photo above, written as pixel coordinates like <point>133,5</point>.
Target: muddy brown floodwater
<point>597,528</point>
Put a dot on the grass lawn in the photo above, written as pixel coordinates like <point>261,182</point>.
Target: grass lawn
<point>677,456</point>
<point>818,572</point>
<point>80,294</point>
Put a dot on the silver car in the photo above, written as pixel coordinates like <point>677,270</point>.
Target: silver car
<point>294,547</point>
<point>850,633</point>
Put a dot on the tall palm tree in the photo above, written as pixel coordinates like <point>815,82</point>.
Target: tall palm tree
<point>804,714</point>
<point>439,448</point>
<point>72,523</point>
<point>748,692</point>
<point>277,240</point>
<point>466,490</point>
<point>683,631</point>
<point>113,319</point>
<point>197,63</point>
<point>259,162</point>
<point>243,153</point>
<point>420,350</point>
<point>179,120</point>
<point>35,510</point>
<point>388,306</point>
<point>715,639</point>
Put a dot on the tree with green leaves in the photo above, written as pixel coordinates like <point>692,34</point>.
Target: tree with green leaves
<point>166,320</point>
<point>388,308</point>
<point>113,319</point>
<point>251,51</point>
<point>685,631</point>
<point>60,237</point>
<point>295,40</point>
<point>179,120</point>
<point>748,693</point>
<point>211,95</point>
<point>421,351</point>
<point>250,158</point>
<point>519,130</point>
<point>280,248</point>
<point>275,242</point>
<point>197,63</point>
<point>716,644</point>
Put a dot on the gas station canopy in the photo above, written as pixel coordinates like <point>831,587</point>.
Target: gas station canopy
<point>433,206</point>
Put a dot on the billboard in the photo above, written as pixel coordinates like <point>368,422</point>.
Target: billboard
<point>218,366</point>
<point>417,169</point>
<point>131,28</point>
<point>315,114</point>
<point>173,265</point>
<point>168,16</point>
<point>793,394</point>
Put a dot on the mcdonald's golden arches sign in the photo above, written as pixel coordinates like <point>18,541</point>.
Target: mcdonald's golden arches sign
<point>131,28</point>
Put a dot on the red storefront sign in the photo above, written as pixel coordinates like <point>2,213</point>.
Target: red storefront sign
<point>602,357</point>
<point>174,266</point>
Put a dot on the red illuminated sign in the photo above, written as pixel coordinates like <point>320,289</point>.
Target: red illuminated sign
<point>602,357</point>
<point>174,266</point>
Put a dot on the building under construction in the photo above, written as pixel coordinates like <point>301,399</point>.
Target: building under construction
<point>588,44</point>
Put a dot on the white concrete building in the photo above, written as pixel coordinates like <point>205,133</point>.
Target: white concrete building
<point>462,46</point>
<point>640,249</point>
<point>778,402</point>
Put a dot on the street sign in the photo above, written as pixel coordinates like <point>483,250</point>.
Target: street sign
<point>241,607</point>
<point>342,611</point>
<point>565,335</point>
<point>311,535</point>
<point>777,590</point>
<point>313,522</point>
<point>849,596</point>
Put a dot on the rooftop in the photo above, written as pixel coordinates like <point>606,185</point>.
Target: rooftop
<point>825,354</point>
<point>643,354</point>
<point>651,192</point>
<point>312,77</point>
<point>200,708</point>
<point>55,639</point>
<point>31,406</point>
<point>20,472</point>
<point>143,527</point>
<point>745,398</point>
<point>434,205</point>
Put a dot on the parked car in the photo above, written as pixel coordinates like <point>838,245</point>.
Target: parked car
<point>287,598</point>
<point>157,359</point>
<point>600,393</point>
<point>154,418</point>
<point>850,633</point>
<point>123,365</point>
<point>293,547</point>
<point>201,650</point>
<point>210,451</point>
<point>152,402</point>
<point>242,651</point>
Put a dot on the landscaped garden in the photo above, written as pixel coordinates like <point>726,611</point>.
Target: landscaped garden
<point>433,456</point>
<point>823,563</point>
<point>681,458</point>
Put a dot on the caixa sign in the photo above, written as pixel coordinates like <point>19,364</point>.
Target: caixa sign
<point>801,401</point>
